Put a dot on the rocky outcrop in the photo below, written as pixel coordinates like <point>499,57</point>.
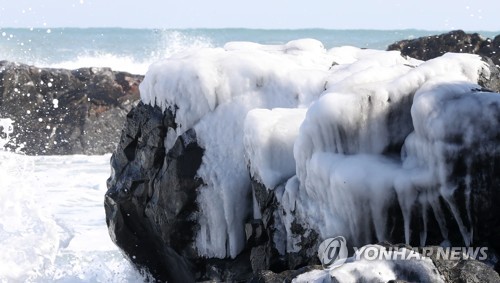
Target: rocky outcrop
<point>484,193</point>
<point>429,264</point>
<point>460,269</point>
<point>463,269</point>
<point>58,111</point>
<point>151,213</point>
<point>151,202</point>
<point>152,209</point>
<point>429,47</point>
<point>150,224</point>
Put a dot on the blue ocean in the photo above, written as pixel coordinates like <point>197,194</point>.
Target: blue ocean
<point>133,50</point>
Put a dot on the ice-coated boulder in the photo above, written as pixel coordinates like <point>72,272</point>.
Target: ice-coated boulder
<point>244,158</point>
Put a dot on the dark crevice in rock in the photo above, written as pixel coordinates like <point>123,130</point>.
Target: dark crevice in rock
<point>129,150</point>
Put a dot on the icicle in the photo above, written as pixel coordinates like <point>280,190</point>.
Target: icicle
<point>438,214</point>
<point>379,219</point>
<point>424,200</point>
<point>468,190</point>
<point>447,194</point>
<point>256,208</point>
<point>407,196</point>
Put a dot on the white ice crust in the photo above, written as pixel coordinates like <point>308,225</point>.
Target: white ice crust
<point>323,120</point>
<point>359,268</point>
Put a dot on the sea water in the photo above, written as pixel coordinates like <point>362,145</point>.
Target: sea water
<point>52,221</point>
<point>133,50</point>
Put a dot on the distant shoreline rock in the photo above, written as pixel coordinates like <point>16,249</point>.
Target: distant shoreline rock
<point>59,111</point>
<point>457,41</point>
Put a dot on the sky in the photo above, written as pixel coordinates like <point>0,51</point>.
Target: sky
<point>438,15</point>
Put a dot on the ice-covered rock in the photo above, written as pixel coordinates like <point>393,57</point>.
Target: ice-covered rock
<point>343,151</point>
<point>392,264</point>
<point>245,157</point>
<point>211,91</point>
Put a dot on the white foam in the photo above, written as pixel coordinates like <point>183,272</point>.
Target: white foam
<point>135,61</point>
<point>169,43</point>
<point>103,60</point>
<point>52,223</point>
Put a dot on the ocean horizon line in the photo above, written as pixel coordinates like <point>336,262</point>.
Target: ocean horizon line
<point>247,29</point>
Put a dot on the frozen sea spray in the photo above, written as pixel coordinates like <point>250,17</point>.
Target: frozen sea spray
<point>342,140</point>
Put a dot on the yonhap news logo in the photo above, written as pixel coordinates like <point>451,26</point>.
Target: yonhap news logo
<point>333,253</point>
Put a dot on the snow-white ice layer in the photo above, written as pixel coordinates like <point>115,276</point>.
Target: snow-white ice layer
<point>358,107</point>
<point>211,91</point>
<point>52,223</point>
<point>366,267</point>
<point>277,129</point>
<point>346,184</point>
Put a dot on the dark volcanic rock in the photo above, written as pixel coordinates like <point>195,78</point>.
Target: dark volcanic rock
<point>425,48</point>
<point>275,236</point>
<point>463,269</point>
<point>152,195</point>
<point>151,202</point>
<point>267,276</point>
<point>58,111</point>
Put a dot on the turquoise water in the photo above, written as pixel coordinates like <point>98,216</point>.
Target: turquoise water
<point>134,50</point>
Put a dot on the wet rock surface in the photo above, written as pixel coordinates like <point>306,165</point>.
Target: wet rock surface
<point>58,111</point>
<point>429,47</point>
